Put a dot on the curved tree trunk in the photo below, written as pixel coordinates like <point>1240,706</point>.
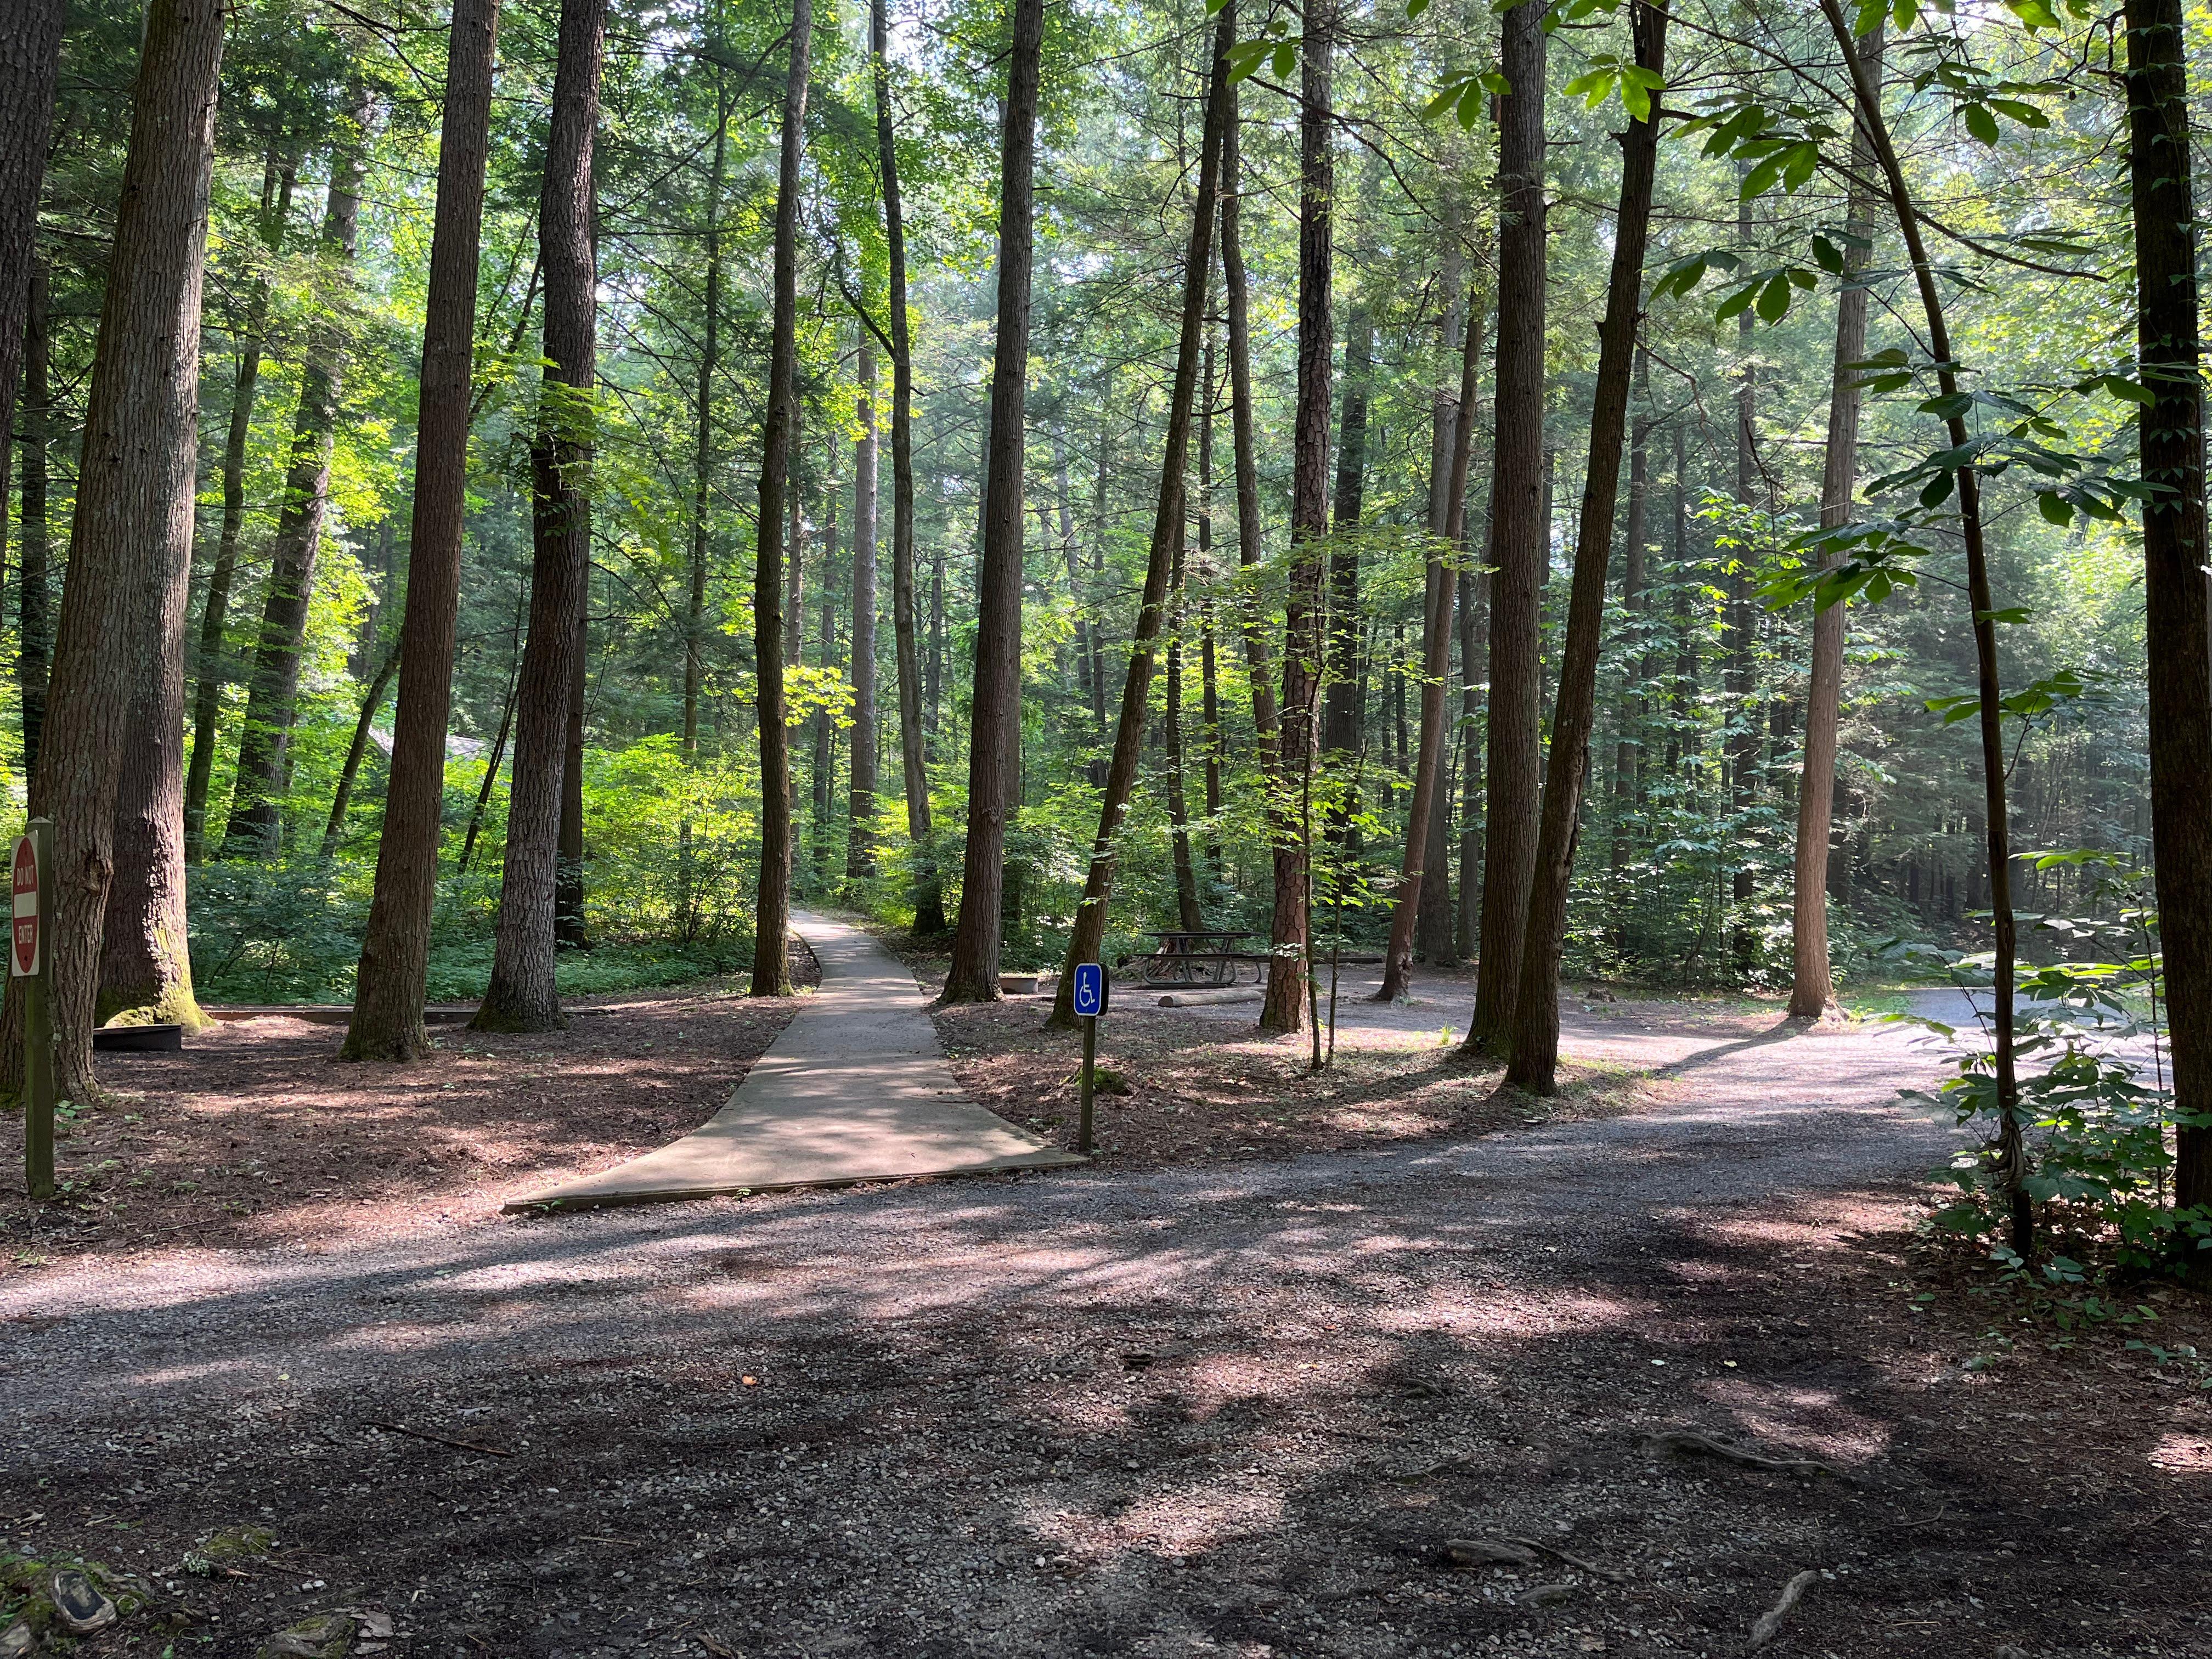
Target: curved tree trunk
<point>1161,560</point>
<point>1283,1008</point>
<point>2011,1169</point>
<point>995,712</point>
<point>1812,986</point>
<point>772,910</point>
<point>1187,914</point>
<point>928,902</point>
<point>215,612</point>
<point>132,531</point>
<point>255,823</point>
<point>388,1006</point>
<point>371,700</point>
<point>1535,1052</point>
<point>1520,538</point>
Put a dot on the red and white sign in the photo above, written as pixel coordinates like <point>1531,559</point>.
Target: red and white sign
<point>24,959</point>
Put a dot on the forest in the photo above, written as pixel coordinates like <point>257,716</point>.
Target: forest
<point>505,503</point>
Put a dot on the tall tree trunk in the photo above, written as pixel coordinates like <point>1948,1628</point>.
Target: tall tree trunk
<point>1163,557</point>
<point>2171,434</point>
<point>772,911</point>
<point>1244,445</point>
<point>1681,720</point>
<point>1812,987</point>
<point>1341,710</point>
<point>1741,747</point>
<point>33,620</point>
<point>1520,537</point>
<point>570,928</point>
<point>928,902</point>
<point>1186,874</point>
<point>860,845</point>
<point>824,778</point>
<point>388,1006</point>
<point>1427,837</point>
<point>995,715</point>
<point>1095,639</point>
<point>131,533</point>
<point>2012,1151</point>
<point>1285,1006</point>
<point>1208,676</point>
<point>254,824</point>
<point>1535,1051</point>
<point>702,466</point>
<point>214,613</point>
<point>1469,910</point>
<point>30,63</point>
<point>371,700</point>
<point>145,953</point>
<point>1628,745</point>
<point>1436,932</point>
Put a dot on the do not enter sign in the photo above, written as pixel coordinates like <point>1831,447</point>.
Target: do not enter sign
<point>23,959</point>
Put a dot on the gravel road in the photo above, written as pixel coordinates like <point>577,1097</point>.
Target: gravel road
<point>1233,1411</point>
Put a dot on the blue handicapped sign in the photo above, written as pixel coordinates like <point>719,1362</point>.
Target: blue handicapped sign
<point>1089,989</point>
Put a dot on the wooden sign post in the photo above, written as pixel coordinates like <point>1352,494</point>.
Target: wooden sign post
<point>29,953</point>
<point>1090,1003</point>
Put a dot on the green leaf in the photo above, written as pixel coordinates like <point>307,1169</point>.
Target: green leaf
<point>1286,61</point>
<point>2128,391</point>
<point>1981,123</point>
<point>1958,403</point>
<point>1827,255</point>
<point>1639,89</point>
<point>2054,507</point>
<point>2027,114</point>
<point>1774,299</point>
<point>1937,490</point>
<point>1594,88</point>
<point>2016,614</point>
<point>1413,8</point>
<point>1904,13</point>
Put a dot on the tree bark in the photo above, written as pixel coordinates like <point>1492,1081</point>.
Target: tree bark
<point>145,953</point>
<point>1341,702</point>
<point>772,910</point>
<point>212,674</point>
<point>254,827</point>
<point>1244,447</point>
<point>1737,679</point>
<point>1187,913</point>
<point>490,779</point>
<point>860,844</point>
<point>30,64</point>
<point>2171,435</point>
<point>132,532</point>
<point>1163,557</point>
<point>387,1007</point>
<point>1812,987</point>
<point>371,700</point>
<point>1426,829</point>
<point>2011,1169</point>
<point>1628,738</point>
<point>1535,1051</point>
<point>1520,537</point>
<point>995,715</point>
<point>703,465</point>
<point>571,931</point>
<point>1208,676</point>
<point>1283,1008</point>
<point>34,617</point>
<point>928,902</point>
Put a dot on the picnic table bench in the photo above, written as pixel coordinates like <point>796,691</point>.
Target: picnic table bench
<point>1206,956</point>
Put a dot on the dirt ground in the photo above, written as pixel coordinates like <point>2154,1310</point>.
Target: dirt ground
<point>258,1136</point>
<point>1222,1402</point>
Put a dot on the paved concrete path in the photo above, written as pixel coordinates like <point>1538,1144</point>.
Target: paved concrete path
<point>856,1089</point>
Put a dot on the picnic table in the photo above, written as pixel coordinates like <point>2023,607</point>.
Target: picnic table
<point>1206,956</point>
